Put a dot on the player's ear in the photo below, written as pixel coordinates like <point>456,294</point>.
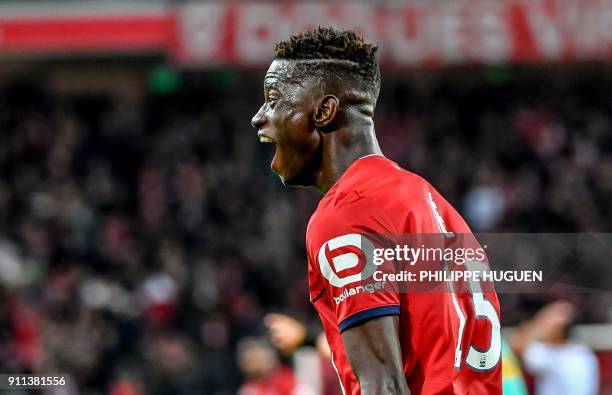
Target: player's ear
<point>326,110</point>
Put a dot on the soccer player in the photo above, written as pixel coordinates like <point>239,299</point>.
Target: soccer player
<point>320,93</point>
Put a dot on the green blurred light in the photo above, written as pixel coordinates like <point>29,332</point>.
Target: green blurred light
<point>225,78</point>
<point>499,74</point>
<point>164,80</point>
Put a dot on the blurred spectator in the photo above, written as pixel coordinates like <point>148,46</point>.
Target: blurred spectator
<point>263,374</point>
<point>288,334</point>
<point>174,365</point>
<point>559,366</point>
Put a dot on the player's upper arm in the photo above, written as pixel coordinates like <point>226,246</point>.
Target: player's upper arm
<point>342,265</point>
<point>374,353</point>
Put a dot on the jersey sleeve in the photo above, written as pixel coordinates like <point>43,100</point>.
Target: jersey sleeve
<point>342,265</point>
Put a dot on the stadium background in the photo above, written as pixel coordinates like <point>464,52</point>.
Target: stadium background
<point>143,235</point>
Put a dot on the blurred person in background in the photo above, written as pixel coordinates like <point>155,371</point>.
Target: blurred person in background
<point>559,366</point>
<point>288,334</point>
<point>264,375</point>
<point>173,361</point>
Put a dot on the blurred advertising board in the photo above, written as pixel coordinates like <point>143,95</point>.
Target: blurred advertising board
<point>244,33</point>
<point>413,33</point>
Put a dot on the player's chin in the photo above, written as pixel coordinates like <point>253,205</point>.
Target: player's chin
<point>296,183</point>
<point>294,172</point>
<point>295,179</point>
<point>292,181</point>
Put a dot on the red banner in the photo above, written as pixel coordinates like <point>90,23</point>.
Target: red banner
<point>69,29</point>
<point>244,33</point>
<point>414,33</point>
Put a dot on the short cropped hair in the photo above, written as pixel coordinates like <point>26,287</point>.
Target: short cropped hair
<point>329,51</point>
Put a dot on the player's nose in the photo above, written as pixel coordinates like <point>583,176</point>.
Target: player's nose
<point>258,119</point>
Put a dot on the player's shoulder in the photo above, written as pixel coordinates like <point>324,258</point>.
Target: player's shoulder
<point>371,186</point>
<point>375,178</point>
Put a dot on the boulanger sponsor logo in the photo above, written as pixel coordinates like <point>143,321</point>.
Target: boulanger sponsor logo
<point>368,288</point>
<point>347,260</point>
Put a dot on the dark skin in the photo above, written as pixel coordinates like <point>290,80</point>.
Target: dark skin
<point>320,127</point>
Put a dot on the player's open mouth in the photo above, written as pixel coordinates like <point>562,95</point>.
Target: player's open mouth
<point>265,139</point>
<point>269,140</point>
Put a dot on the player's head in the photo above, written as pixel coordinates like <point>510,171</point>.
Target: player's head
<point>320,80</point>
<point>256,358</point>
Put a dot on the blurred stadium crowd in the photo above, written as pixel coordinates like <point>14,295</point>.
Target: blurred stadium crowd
<point>140,243</point>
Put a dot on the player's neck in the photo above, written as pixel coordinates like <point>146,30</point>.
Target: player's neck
<point>343,147</point>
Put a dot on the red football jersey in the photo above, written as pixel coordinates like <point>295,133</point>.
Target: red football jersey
<point>450,341</point>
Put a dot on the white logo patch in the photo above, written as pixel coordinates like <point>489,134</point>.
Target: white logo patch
<point>346,261</point>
